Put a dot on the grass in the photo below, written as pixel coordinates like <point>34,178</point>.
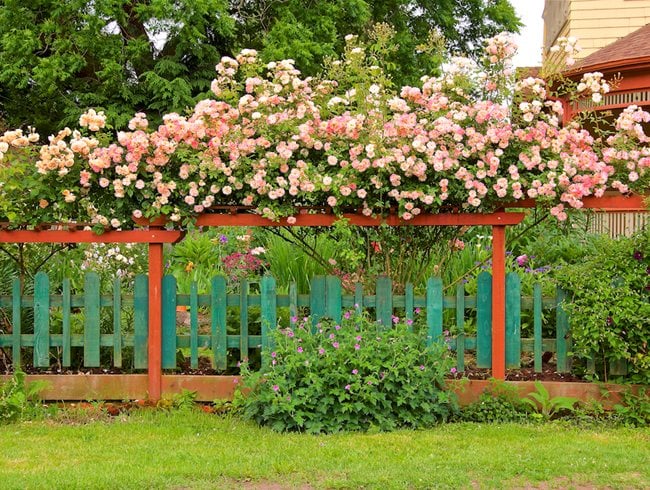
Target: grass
<point>153,449</point>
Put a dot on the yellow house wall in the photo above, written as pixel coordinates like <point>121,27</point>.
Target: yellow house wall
<point>596,23</point>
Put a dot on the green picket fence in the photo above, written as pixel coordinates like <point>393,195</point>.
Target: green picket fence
<point>227,326</point>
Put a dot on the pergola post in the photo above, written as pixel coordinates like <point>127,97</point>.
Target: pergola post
<point>154,366</point>
<point>499,302</point>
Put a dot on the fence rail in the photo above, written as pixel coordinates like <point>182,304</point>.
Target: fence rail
<point>228,326</point>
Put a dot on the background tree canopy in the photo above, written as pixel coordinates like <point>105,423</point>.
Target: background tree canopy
<point>59,57</point>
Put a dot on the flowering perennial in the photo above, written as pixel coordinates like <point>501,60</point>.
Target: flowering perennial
<point>468,140</point>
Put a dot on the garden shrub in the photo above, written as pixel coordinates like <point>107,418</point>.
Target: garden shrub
<point>634,411</point>
<point>19,400</point>
<point>609,305</point>
<point>498,403</point>
<point>356,375</point>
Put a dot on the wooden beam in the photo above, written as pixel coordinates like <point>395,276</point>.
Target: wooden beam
<point>87,236</point>
<point>322,219</point>
<point>606,203</point>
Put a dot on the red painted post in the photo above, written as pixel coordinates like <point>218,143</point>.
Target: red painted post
<point>499,302</point>
<point>154,369</point>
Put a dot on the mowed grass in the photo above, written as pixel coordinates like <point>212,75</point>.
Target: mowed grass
<point>197,450</point>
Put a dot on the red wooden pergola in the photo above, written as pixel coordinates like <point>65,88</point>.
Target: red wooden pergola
<point>156,235</point>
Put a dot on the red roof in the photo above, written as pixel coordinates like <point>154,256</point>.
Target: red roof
<point>627,51</point>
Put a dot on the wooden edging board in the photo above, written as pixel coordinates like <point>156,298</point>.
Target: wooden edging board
<point>208,388</point>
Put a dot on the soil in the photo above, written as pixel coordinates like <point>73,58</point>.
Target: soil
<point>548,373</point>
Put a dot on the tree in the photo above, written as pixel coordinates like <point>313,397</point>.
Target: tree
<point>59,57</point>
<point>309,31</point>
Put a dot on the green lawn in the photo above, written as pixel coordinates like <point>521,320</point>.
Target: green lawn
<point>197,450</point>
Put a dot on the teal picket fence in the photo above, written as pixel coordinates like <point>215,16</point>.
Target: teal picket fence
<point>109,329</point>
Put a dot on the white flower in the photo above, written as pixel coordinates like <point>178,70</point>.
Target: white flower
<point>258,251</point>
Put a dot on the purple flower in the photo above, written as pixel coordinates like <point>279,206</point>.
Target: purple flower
<point>637,255</point>
<point>453,370</point>
<point>347,315</point>
<point>294,319</point>
<point>321,351</point>
<point>417,311</point>
<point>299,349</point>
<point>421,367</point>
<point>332,336</point>
<point>276,388</point>
<point>355,371</point>
<point>274,354</point>
<point>357,347</point>
<point>347,387</point>
<point>335,345</point>
<point>337,327</point>
<point>223,239</point>
<point>358,338</point>
<point>395,319</point>
<point>409,322</point>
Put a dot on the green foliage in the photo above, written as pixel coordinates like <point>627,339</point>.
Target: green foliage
<point>547,407</point>
<point>311,31</point>
<point>497,404</point>
<point>58,58</point>
<point>183,401</point>
<point>204,254</point>
<point>351,376</point>
<point>295,256</point>
<point>19,401</point>
<point>635,409</point>
<point>610,304</point>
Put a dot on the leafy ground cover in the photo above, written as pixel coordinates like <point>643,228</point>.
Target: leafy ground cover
<point>190,449</point>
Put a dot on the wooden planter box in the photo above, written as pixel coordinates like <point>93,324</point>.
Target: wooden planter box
<point>208,388</point>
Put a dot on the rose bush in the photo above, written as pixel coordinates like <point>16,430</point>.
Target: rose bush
<point>465,141</point>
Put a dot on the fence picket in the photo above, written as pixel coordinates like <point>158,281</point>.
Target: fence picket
<point>434,309</point>
<point>618,367</point>
<point>117,322</point>
<point>484,321</point>
<point>140,321</point>
<point>513,320</point>
<point>460,325</point>
<point>293,304</point>
<point>317,299</point>
<point>358,297</point>
<point>384,301</point>
<point>537,326</point>
<point>219,323</point>
<point>243,320</point>
<point>408,305</point>
<point>169,344</point>
<point>269,302</point>
<point>333,298</point>
<point>194,325</point>
<point>16,326</point>
<point>66,305</point>
<point>561,332</point>
<point>41,320</point>
<point>92,319</point>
